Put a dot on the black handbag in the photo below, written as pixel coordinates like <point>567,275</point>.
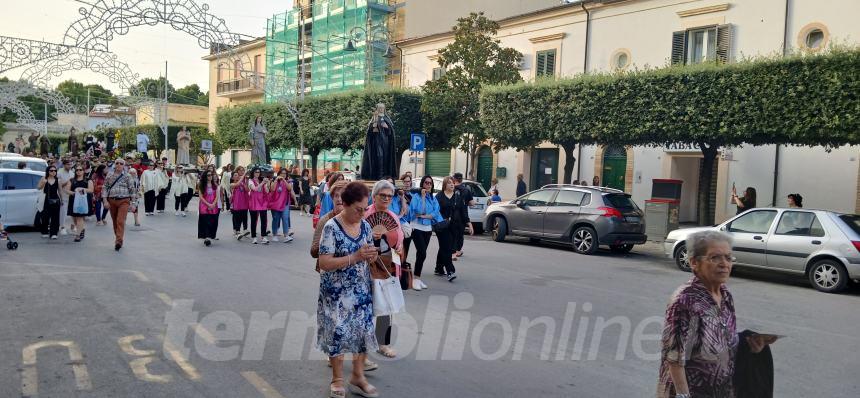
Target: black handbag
<point>441,225</point>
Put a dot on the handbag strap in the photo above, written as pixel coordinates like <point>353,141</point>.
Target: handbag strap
<point>107,193</point>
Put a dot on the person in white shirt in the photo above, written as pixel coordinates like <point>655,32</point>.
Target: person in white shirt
<point>163,184</point>
<point>143,144</point>
<point>151,184</point>
<point>65,175</point>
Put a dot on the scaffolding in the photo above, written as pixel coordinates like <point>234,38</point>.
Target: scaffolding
<point>325,27</point>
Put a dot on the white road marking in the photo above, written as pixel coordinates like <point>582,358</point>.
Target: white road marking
<point>165,298</point>
<point>30,373</point>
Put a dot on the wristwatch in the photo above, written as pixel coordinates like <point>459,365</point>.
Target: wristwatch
<point>682,395</point>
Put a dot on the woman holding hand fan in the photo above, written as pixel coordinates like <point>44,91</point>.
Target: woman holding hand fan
<point>388,239</point>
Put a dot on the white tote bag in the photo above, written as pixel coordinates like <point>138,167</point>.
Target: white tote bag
<point>387,296</point>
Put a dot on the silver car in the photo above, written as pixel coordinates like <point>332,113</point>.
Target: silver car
<point>585,217</point>
<point>822,245</point>
<point>18,194</point>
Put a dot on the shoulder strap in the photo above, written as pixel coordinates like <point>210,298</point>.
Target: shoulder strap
<point>107,192</point>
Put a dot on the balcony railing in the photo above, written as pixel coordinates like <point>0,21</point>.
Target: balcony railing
<point>243,86</point>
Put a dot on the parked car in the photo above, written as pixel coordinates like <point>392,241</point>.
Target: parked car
<point>11,162</point>
<point>476,210</point>
<point>18,194</point>
<point>585,217</point>
<point>822,245</point>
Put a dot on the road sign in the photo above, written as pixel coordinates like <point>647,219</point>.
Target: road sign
<point>206,145</point>
<point>417,142</point>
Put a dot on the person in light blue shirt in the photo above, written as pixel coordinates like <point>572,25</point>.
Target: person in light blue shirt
<point>495,198</point>
<point>326,203</point>
<point>424,212</point>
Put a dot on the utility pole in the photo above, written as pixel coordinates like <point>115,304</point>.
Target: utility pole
<point>88,100</point>
<point>46,119</point>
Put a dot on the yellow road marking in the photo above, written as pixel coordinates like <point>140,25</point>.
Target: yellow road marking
<point>174,354</point>
<point>261,385</point>
<point>30,373</point>
<point>204,334</point>
<point>138,367</point>
<point>125,345</point>
<point>140,276</point>
<point>165,298</point>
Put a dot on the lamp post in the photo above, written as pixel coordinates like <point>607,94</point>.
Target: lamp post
<point>356,33</point>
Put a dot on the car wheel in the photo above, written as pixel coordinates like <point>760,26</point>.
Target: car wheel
<point>584,240</point>
<point>681,258</point>
<point>828,276</point>
<point>621,248</point>
<point>500,229</point>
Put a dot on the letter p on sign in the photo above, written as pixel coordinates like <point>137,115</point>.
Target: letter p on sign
<point>417,142</point>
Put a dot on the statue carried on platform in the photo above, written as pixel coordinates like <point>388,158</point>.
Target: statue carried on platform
<point>258,141</point>
<point>379,159</point>
<point>183,147</point>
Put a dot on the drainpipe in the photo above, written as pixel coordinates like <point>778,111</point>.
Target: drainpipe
<point>779,147</point>
<point>584,71</point>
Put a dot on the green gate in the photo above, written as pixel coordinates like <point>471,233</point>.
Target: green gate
<point>614,167</point>
<point>437,163</point>
<point>485,167</point>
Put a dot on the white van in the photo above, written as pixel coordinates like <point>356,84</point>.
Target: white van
<point>11,162</point>
<point>18,194</point>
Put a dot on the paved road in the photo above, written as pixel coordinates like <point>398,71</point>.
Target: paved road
<point>469,338</point>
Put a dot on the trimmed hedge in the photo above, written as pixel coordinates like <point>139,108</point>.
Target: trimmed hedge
<point>799,100</point>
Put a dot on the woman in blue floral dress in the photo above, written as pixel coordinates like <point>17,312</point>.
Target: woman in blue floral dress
<point>345,309</point>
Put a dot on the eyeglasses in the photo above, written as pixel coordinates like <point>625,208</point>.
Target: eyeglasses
<point>718,258</point>
<point>385,196</point>
<point>79,169</point>
<point>52,170</point>
<point>427,182</point>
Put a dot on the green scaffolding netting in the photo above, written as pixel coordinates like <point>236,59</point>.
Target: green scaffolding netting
<point>328,25</point>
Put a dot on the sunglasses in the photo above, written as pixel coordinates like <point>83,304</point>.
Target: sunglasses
<point>79,169</point>
<point>52,170</point>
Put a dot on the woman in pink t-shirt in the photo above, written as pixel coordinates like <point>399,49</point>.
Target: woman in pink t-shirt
<point>207,223</point>
<point>258,204</point>
<point>239,202</point>
<point>280,191</point>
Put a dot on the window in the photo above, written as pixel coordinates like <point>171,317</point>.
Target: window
<point>754,222</point>
<point>438,73</point>
<point>538,199</point>
<point>798,223</point>
<point>619,201</point>
<point>620,59</point>
<point>569,198</point>
<point>257,64</point>
<point>476,190</point>
<point>545,65</point>
<point>813,36</point>
<point>220,72</point>
<point>237,67</point>
<point>852,220</point>
<point>20,181</point>
<point>814,39</point>
<point>706,44</point>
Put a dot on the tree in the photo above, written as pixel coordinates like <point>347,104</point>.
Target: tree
<point>451,103</point>
<point>152,88</point>
<point>189,95</point>
<point>800,100</point>
<point>77,92</point>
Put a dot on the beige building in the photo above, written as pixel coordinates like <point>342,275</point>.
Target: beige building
<point>177,115</point>
<point>603,36</point>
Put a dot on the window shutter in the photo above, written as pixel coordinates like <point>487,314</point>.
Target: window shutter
<point>549,69</point>
<point>541,63</point>
<point>724,43</point>
<point>679,47</point>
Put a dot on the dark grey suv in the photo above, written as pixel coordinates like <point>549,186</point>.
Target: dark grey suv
<point>585,217</point>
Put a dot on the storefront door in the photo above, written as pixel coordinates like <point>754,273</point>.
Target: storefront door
<point>544,167</point>
<point>485,167</point>
<point>614,167</point>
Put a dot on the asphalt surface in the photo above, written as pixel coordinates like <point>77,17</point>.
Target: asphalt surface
<point>60,298</point>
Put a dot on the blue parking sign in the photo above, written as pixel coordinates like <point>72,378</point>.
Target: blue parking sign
<point>417,142</point>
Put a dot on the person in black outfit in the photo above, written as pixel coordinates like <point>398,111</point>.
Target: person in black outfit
<point>79,185</point>
<point>447,199</point>
<point>746,202</point>
<point>458,223</point>
<point>50,185</point>
<point>522,189</point>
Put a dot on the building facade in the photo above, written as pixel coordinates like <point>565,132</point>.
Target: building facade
<point>605,36</point>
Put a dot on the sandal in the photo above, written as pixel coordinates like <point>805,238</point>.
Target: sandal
<point>369,391</point>
<point>387,352</point>
<point>336,392</point>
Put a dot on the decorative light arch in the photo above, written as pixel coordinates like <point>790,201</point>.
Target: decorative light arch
<point>10,93</point>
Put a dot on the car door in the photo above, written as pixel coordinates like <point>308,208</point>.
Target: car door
<point>526,218</point>
<point>798,234</point>
<point>4,218</point>
<point>750,233</point>
<point>562,212</point>
<point>19,191</point>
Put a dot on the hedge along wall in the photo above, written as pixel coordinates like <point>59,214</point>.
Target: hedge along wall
<point>340,120</point>
<point>801,100</point>
<point>233,124</point>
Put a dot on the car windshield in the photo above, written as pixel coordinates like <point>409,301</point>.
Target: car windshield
<point>852,220</point>
<point>620,201</point>
<point>477,190</point>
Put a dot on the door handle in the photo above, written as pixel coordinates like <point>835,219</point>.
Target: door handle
<point>816,242</point>
<point>757,237</point>
<point>571,212</point>
<point>538,212</point>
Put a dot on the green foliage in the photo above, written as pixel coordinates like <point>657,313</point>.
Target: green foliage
<point>153,88</point>
<point>233,124</point>
<point>76,92</point>
<point>798,100</point>
<point>190,95</point>
<point>451,107</point>
<point>128,138</point>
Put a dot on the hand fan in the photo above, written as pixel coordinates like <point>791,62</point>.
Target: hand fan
<point>382,222</point>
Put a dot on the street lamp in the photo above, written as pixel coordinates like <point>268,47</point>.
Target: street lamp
<point>356,33</point>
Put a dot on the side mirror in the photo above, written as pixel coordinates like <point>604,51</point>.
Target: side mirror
<point>724,228</point>
<point>521,204</point>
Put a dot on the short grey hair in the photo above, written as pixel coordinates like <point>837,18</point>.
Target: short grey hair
<point>380,186</point>
<point>699,242</point>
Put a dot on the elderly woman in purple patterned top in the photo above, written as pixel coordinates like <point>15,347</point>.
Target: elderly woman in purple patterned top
<point>700,338</point>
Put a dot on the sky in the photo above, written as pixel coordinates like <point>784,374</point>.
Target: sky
<point>144,48</point>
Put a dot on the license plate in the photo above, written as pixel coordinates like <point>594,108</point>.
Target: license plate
<point>477,206</point>
<point>632,219</point>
